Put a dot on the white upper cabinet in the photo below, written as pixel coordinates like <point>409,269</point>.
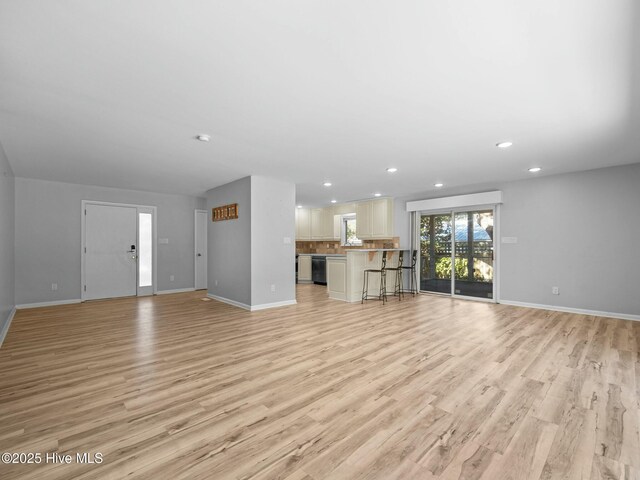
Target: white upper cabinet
<point>374,219</point>
<point>303,224</point>
<point>363,220</point>
<point>344,208</point>
<point>317,224</point>
<point>322,224</point>
<point>327,223</point>
<point>337,226</point>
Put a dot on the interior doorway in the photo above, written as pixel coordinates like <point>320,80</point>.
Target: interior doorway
<point>201,250</point>
<point>118,250</point>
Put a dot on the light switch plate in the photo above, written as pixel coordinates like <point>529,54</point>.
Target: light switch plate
<point>163,241</point>
<point>509,239</point>
<point>287,240</point>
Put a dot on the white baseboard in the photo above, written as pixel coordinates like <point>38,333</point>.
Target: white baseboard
<point>48,304</point>
<point>7,324</point>
<point>264,306</point>
<point>597,313</point>
<point>177,290</point>
<point>251,308</point>
<point>228,301</point>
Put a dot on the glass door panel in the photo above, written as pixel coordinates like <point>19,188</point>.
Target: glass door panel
<point>145,250</point>
<point>473,254</point>
<point>145,254</point>
<point>435,253</point>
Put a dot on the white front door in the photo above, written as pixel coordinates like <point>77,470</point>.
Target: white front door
<point>110,251</point>
<point>201,250</point>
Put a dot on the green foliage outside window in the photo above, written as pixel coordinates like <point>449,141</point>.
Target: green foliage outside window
<point>443,269</point>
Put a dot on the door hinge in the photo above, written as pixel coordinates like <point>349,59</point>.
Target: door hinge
<point>85,288</point>
<point>85,211</point>
<point>85,249</point>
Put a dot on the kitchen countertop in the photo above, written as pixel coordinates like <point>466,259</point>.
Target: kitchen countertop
<point>322,254</point>
<point>379,250</point>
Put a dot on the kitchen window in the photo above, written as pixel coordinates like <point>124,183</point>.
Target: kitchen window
<point>349,237</point>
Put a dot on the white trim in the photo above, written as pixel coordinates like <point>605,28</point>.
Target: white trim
<point>229,301</point>
<point>597,313</point>
<point>176,290</point>
<point>472,200</point>
<point>264,306</point>
<point>48,304</point>
<point>7,324</point>
<point>252,308</point>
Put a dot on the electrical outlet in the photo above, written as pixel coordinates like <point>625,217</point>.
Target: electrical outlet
<point>555,290</point>
<point>171,278</point>
<point>273,287</point>
<point>54,287</point>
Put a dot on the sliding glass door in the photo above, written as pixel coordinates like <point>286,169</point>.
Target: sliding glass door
<point>456,253</point>
<point>435,253</point>
<point>473,254</point>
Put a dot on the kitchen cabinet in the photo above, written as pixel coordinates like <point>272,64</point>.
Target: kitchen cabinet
<point>322,224</point>
<point>374,219</point>
<point>337,226</point>
<point>363,220</point>
<point>344,208</point>
<point>304,268</point>
<point>317,227</point>
<point>337,277</point>
<point>303,224</point>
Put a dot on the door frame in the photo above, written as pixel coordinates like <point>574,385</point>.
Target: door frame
<point>496,249</point>
<point>146,208</point>
<point>195,246</point>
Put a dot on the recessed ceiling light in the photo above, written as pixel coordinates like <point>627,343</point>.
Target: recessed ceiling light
<point>392,169</point>
<point>204,138</point>
<point>438,185</point>
<point>377,194</point>
<point>327,184</point>
<point>334,201</point>
<point>504,144</point>
<point>534,169</point>
<point>299,206</point>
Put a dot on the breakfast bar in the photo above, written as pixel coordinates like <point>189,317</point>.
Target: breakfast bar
<point>345,274</point>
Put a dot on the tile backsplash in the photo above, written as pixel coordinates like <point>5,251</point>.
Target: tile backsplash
<point>332,246</point>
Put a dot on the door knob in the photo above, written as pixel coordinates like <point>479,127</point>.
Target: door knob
<point>199,254</point>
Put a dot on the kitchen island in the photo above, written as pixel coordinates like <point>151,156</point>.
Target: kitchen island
<point>345,274</point>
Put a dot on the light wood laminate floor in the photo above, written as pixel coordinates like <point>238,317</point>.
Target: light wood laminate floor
<point>175,387</point>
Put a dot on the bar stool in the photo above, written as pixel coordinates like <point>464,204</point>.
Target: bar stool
<point>383,281</point>
<point>398,287</point>
<point>413,279</point>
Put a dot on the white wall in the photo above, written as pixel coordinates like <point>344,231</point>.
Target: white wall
<point>273,205</point>
<point>48,236</point>
<point>577,231</point>
<point>229,244</point>
<point>248,255</point>
<point>7,236</point>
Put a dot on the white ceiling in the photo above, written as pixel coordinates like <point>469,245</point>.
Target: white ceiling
<point>113,92</point>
